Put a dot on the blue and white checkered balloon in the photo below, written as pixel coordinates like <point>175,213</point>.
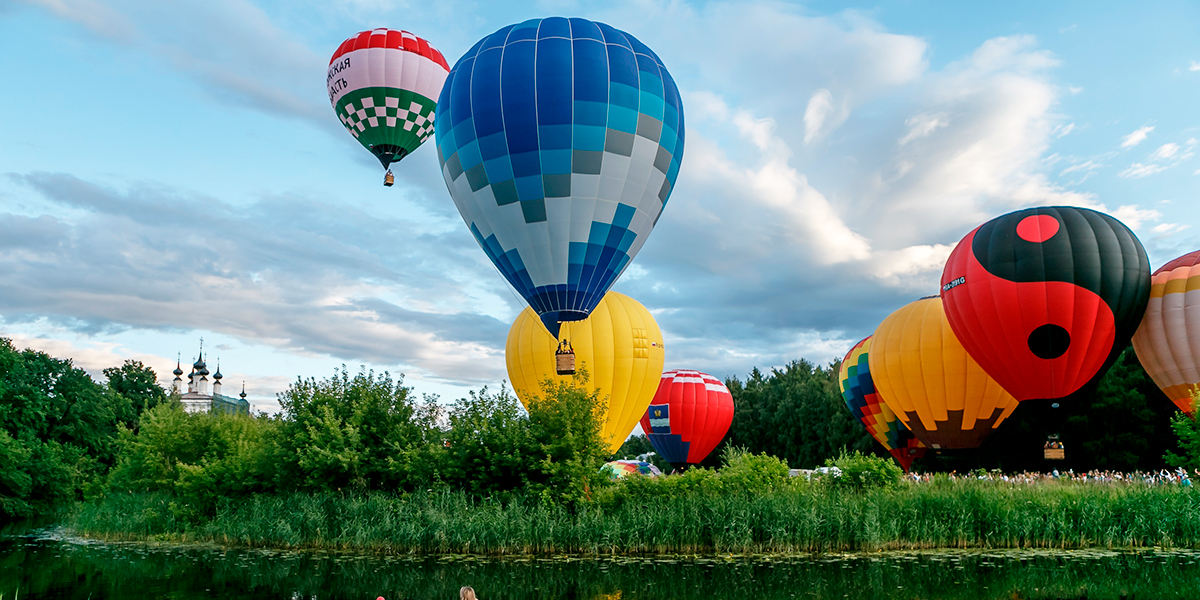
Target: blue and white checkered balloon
<point>560,141</point>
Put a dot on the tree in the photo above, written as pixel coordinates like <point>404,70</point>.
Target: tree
<point>1187,431</point>
<point>796,413</point>
<point>137,383</point>
<point>59,431</point>
<point>346,432</point>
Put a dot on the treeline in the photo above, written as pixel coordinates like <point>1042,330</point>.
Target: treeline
<point>59,428</point>
<point>64,437</point>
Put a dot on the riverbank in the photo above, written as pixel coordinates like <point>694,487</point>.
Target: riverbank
<point>785,520</point>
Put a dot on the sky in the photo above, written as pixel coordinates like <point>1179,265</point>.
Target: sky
<point>173,171</point>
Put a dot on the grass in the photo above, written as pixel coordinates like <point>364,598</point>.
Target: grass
<point>951,514</point>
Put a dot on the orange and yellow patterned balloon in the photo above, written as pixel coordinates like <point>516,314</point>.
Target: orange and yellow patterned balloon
<point>926,377</point>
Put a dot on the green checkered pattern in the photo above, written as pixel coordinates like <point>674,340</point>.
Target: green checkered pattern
<point>383,115</point>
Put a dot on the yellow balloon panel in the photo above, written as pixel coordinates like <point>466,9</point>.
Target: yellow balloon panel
<point>926,377</point>
<point>619,344</point>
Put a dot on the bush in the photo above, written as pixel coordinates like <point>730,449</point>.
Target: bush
<point>860,471</point>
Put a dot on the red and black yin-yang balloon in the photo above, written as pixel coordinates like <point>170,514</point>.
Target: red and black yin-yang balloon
<point>1045,298</point>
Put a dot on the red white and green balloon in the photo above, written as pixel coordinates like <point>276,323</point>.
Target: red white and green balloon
<point>383,85</point>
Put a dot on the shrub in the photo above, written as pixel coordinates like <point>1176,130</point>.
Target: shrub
<point>862,471</point>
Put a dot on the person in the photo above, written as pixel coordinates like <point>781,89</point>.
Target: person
<point>467,593</point>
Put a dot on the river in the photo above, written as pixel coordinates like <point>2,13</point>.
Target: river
<point>47,562</point>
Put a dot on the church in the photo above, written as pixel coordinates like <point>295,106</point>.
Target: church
<point>198,398</point>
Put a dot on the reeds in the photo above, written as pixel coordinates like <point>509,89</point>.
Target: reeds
<point>803,518</point>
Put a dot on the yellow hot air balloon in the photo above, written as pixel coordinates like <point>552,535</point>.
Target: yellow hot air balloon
<point>619,344</point>
<point>927,378</point>
<point>1168,340</point>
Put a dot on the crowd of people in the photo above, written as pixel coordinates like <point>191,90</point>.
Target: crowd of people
<point>1179,476</point>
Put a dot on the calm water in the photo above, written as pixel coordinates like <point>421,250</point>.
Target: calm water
<point>46,563</point>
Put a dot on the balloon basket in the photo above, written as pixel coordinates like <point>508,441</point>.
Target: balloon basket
<point>388,179</point>
<point>564,359</point>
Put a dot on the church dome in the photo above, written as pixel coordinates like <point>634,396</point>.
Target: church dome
<point>218,374</point>
<point>177,372</point>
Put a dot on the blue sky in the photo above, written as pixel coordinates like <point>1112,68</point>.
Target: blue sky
<point>171,171</point>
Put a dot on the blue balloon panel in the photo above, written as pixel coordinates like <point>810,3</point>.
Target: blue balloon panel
<point>560,141</point>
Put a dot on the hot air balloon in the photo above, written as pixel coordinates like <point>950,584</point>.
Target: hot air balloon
<point>1046,298</point>
<point>1168,340</point>
<point>619,344</point>
<point>689,415</point>
<point>560,140</point>
<point>383,85</point>
<point>926,377</point>
<point>620,469</point>
<point>858,390</point>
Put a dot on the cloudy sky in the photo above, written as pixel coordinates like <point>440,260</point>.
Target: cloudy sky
<point>173,170</point>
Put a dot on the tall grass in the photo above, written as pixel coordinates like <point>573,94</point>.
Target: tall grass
<point>949,514</point>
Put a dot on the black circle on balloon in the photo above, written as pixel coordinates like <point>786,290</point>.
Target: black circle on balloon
<point>1049,341</point>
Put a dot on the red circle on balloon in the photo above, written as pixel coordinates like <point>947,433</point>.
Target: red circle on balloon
<point>1037,228</point>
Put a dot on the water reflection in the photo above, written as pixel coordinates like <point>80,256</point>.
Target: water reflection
<point>45,563</point>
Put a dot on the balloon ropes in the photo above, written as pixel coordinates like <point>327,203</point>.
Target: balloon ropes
<point>1168,341</point>
<point>1046,298</point>
<point>690,414</point>
<point>621,347</point>
<point>858,390</point>
<point>923,373</point>
<point>383,85</point>
<point>560,141</point>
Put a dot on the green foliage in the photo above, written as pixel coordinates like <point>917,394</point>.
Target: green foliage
<point>1187,431</point>
<point>858,471</point>
<point>58,431</point>
<point>788,519</point>
<point>198,458</point>
<point>138,384</point>
<point>796,413</point>
<point>346,432</point>
<point>751,473</point>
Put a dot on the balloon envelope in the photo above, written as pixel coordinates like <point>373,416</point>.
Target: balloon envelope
<point>383,85</point>
<point>689,415</point>
<point>620,469</point>
<point>621,347</point>
<point>858,390</point>
<point>1168,341</point>
<point>927,378</point>
<point>1046,298</point>
<point>560,140</point>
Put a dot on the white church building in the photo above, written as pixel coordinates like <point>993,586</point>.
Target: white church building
<point>199,398</point>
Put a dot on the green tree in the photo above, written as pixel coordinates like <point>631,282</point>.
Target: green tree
<point>137,383</point>
<point>1187,431</point>
<point>796,413</point>
<point>347,432</point>
<point>60,431</point>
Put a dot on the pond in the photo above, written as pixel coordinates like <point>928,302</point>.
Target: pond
<point>48,563</point>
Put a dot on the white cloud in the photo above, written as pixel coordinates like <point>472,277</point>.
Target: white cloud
<point>922,125</point>
<point>1134,217</point>
<point>1136,137</point>
<point>1085,167</point>
<point>1165,151</point>
<point>1139,170</point>
<point>1195,66</point>
<point>95,16</point>
<point>819,109</point>
<point>1063,130</point>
